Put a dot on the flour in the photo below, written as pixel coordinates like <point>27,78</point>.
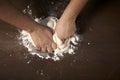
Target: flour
<point>67,47</point>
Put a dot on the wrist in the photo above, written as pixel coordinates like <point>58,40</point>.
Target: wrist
<point>34,28</point>
<point>67,19</point>
<point>68,16</point>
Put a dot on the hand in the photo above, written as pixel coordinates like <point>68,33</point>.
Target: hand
<point>42,38</point>
<point>65,28</point>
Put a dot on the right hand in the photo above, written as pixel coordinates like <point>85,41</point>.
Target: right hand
<point>65,28</point>
<point>42,38</point>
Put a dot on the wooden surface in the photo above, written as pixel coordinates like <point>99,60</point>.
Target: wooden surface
<point>97,58</point>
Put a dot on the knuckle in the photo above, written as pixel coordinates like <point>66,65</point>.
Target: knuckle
<point>37,46</point>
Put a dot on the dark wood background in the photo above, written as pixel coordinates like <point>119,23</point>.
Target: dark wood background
<point>97,57</point>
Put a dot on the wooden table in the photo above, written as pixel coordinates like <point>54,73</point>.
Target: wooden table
<point>97,57</point>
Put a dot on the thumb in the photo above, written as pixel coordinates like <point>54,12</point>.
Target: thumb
<point>54,45</point>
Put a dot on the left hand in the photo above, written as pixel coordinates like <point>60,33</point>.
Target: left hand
<point>65,28</point>
<point>42,37</point>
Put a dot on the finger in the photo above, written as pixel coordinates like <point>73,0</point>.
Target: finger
<point>54,46</point>
<point>38,47</point>
<point>49,49</point>
<point>43,49</point>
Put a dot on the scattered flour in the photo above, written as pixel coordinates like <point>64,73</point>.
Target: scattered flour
<point>68,46</point>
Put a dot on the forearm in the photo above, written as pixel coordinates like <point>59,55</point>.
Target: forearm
<point>11,15</point>
<point>73,9</point>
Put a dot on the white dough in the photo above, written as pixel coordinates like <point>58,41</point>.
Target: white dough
<point>62,47</point>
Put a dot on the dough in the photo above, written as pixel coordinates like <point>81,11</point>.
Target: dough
<point>67,46</point>
<point>61,46</point>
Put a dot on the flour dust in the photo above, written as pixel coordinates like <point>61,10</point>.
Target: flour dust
<point>27,42</point>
